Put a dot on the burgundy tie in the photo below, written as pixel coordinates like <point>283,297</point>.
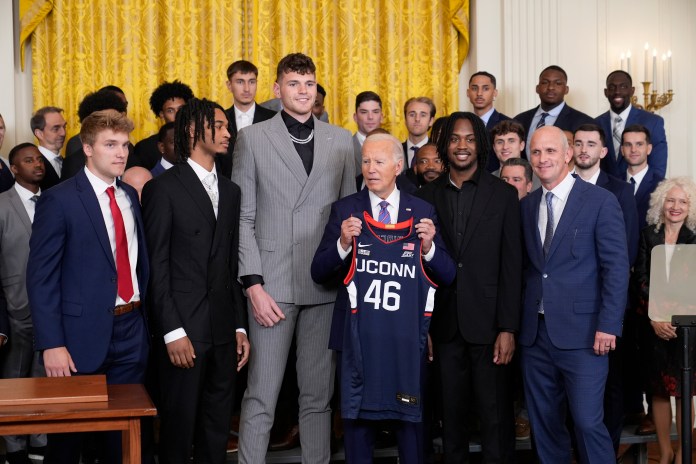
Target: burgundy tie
<point>123,269</point>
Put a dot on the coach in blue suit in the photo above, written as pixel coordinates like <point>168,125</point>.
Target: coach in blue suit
<point>576,279</point>
<point>86,309</point>
<point>619,91</point>
<point>382,163</point>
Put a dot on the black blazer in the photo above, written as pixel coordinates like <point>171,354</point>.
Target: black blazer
<point>623,191</point>
<point>147,153</point>
<point>493,163</point>
<point>569,119</point>
<point>224,162</point>
<point>485,297</point>
<point>194,257</point>
<point>645,189</point>
<point>51,177</point>
<point>649,239</point>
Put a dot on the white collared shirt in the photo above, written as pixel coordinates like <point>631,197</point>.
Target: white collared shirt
<point>638,178</point>
<point>410,153</point>
<point>54,158</point>
<point>361,137</point>
<point>394,200</point>
<point>244,119</point>
<point>592,180</point>
<point>26,197</point>
<point>202,173</point>
<point>487,115</point>
<point>124,204</point>
<point>165,164</point>
<point>549,121</point>
<point>560,198</point>
<point>613,117</point>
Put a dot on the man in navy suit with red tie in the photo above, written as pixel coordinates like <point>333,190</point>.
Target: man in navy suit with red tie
<point>88,271</point>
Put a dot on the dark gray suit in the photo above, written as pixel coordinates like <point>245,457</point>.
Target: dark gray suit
<point>283,213</point>
<point>18,356</point>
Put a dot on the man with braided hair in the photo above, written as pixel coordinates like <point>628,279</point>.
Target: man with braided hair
<point>165,102</point>
<point>476,317</point>
<point>198,318</point>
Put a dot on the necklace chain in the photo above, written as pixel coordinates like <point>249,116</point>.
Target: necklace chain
<point>302,141</point>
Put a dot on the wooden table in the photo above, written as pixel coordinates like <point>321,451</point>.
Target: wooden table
<point>126,405</point>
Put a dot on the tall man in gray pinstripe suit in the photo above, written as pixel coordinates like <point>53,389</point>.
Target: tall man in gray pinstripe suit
<point>291,168</point>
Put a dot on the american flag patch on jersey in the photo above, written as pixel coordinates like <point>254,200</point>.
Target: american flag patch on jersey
<point>409,246</point>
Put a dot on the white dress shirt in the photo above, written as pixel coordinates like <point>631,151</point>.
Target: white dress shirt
<point>394,199</point>
<point>165,164</point>
<point>637,178</point>
<point>244,119</point>
<point>560,194</point>
<point>124,204</point>
<point>410,152</point>
<point>54,158</point>
<point>612,117</point>
<point>486,116</point>
<point>26,197</point>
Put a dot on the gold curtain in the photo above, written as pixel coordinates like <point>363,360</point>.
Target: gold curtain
<point>398,48</point>
<point>136,45</point>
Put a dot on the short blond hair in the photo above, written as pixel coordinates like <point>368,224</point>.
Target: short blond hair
<point>100,121</point>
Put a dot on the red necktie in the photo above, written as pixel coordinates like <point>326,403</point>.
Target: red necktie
<point>123,269</point>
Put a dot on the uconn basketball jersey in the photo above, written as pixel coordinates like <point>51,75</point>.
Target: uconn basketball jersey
<point>391,301</point>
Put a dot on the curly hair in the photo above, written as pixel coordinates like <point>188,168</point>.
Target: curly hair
<point>99,101</point>
<point>295,62</point>
<point>168,91</point>
<point>657,201</point>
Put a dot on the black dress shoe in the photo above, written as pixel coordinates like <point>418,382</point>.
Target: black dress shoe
<point>18,457</point>
<point>289,440</point>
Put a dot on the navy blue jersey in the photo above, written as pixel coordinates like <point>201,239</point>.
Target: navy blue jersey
<point>391,301</point>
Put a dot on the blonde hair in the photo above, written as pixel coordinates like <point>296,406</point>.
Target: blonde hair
<point>657,201</point>
<point>104,120</point>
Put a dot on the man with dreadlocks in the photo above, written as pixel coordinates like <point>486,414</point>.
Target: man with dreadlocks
<point>165,101</point>
<point>198,318</point>
<point>476,318</point>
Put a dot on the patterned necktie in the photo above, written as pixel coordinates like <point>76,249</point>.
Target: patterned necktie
<point>549,223</point>
<point>123,269</point>
<point>208,182</point>
<point>616,135</point>
<point>542,121</point>
<point>384,216</point>
<point>35,198</point>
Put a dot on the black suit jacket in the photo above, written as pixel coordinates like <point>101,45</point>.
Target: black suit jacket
<point>147,153</point>
<point>493,163</point>
<point>569,119</point>
<point>485,297</point>
<point>6,177</point>
<point>645,189</point>
<point>51,177</point>
<point>624,193</point>
<point>224,162</point>
<point>194,257</point>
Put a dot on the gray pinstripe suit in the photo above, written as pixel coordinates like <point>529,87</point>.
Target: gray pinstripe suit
<point>283,213</point>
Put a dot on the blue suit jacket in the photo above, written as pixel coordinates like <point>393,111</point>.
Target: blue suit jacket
<point>584,279</point>
<point>71,274</point>
<point>654,123</point>
<point>493,163</point>
<point>329,269</point>
<point>642,195</point>
<point>568,119</point>
<point>624,194</point>
<point>157,170</point>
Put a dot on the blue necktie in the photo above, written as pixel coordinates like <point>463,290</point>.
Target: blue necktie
<point>542,121</point>
<point>384,216</point>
